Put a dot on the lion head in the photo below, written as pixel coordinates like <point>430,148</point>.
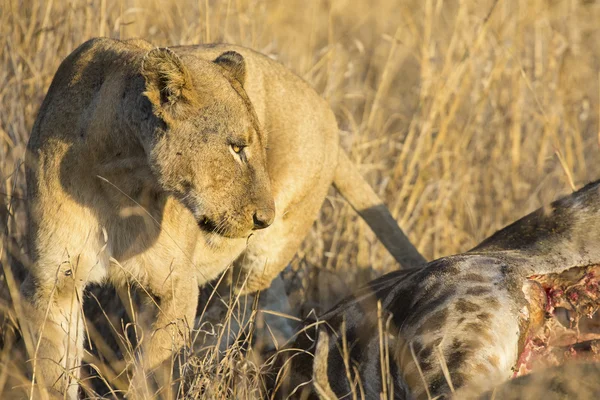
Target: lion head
<point>203,141</point>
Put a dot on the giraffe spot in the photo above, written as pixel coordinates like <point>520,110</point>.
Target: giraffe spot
<point>473,277</point>
<point>438,384</point>
<point>456,359</point>
<point>436,301</point>
<point>465,306</point>
<point>478,290</point>
<point>434,322</point>
<point>458,379</point>
<point>491,302</point>
<point>494,361</point>
<point>432,285</point>
<point>481,368</point>
<point>484,317</point>
<point>425,353</point>
<point>459,351</point>
<point>475,327</point>
<point>426,365</point>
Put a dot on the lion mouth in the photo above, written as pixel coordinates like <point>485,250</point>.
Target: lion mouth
<point>221,229</point>
<point>569,327</point>
<point>208,225</point>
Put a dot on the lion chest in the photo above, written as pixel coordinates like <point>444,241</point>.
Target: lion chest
<point>149,248</point>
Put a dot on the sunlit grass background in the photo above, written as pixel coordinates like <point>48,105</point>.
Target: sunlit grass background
<point>464,115</point>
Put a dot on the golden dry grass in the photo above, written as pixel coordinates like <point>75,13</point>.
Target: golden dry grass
<point>464,115</point>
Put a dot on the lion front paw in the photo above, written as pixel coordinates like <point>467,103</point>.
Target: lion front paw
<point>253,283</point>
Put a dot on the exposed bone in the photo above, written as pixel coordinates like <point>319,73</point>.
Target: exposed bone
<point>572,297</point>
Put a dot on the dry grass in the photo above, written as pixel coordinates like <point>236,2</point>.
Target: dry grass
<point>463,115</point>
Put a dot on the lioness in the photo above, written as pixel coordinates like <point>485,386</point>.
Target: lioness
<point>159,167</point>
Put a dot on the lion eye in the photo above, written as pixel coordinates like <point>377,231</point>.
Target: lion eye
<point>236,149</point>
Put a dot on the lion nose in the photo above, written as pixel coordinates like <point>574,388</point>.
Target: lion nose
<point>263,218</point>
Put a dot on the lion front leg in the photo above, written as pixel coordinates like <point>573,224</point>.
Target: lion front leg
<point>177,303</point>
<point>267,254</point>
<point>176,300</point>
<point>53,317</point>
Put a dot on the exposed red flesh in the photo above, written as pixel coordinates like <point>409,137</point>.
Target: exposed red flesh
<point>573,297</point>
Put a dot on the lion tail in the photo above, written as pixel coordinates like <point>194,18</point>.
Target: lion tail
<point>349,182</point>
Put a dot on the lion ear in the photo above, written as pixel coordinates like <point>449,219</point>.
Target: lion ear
<point>168,81</point>
<point>234,63</point>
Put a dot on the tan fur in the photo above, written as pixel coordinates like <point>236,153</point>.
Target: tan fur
<point>303,160</point>
<point>133,177</point>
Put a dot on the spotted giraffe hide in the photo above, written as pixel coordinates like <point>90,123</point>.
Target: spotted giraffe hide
<point>517,301</point>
